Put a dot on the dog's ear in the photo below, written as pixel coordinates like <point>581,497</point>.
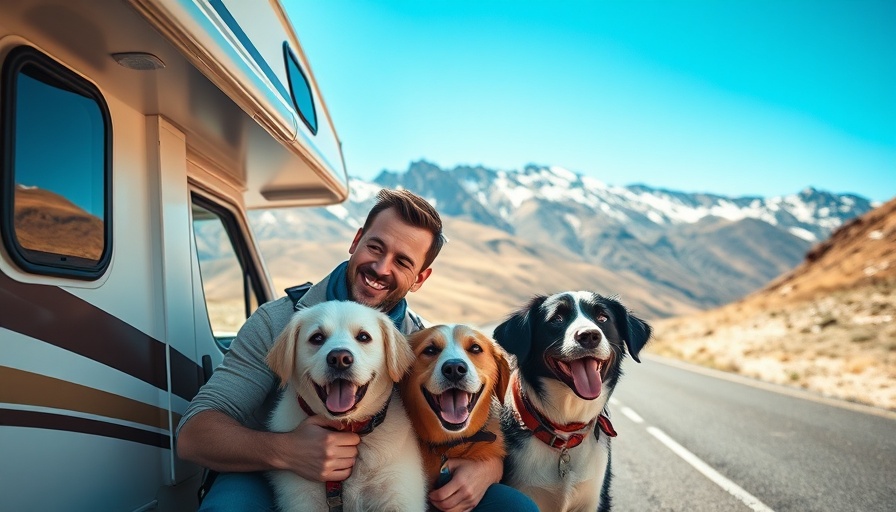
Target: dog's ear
<point>282,356</point>
<point>503,364</point>
<point>515,334</point>
<point>399,356</point>
<point>633,330</point>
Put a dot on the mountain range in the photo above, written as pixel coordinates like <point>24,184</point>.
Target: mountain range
<point>516,233</point>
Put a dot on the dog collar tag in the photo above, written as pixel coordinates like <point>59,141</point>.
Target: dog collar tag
<point>563,463</point>
<point>444,474</point>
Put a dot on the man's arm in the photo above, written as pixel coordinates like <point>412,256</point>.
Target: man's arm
<point>217,441</point>
<point>221,428</point>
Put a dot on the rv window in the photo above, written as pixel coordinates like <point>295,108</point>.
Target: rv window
<point>300,90</point>
<point>57,142</point>
<point>230,288</point>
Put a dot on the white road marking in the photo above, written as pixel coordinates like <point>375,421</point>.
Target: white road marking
<point>732,488</point>
<point>630,414</point>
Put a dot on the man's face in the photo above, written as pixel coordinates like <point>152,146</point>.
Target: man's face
<point>386,261</point>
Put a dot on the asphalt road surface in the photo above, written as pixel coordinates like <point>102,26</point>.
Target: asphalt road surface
<point>691,439</point>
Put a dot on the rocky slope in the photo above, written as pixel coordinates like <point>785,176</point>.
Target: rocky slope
<point>829,325</point>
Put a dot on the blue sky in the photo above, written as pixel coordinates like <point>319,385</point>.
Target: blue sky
<point>761,97</point>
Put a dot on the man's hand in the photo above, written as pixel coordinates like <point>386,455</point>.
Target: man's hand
<point>469,481</point>
<point>315,452</point>
<point>217,441</point>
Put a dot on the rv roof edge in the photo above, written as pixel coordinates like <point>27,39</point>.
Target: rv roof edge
<point>216,42</point>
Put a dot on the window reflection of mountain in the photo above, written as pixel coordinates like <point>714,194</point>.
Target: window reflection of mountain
<point>49,223</point>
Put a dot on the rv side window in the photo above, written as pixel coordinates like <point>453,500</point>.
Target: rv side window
<point>300,90</point>
<point>230,287</point>
<point>56,147</point>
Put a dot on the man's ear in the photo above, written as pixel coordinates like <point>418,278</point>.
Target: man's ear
<point>354,246</point>
<point>422,276</point>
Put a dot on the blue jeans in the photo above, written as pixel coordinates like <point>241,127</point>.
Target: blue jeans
<point>250,492</point>
<point>239,491</point>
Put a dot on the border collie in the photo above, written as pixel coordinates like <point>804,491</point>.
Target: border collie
<point>569,349</point>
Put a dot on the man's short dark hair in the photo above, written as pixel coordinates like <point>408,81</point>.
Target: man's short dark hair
<point>414,210</point>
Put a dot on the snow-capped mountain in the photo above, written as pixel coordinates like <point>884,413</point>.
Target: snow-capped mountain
<point>496,197</point>
<point>703,248</point>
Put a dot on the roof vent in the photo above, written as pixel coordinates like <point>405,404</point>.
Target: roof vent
<point>138,60</point>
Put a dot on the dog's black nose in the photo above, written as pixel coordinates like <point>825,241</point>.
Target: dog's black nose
<point>588,338</point>
<point>340,359</point>
<point>454,369</point>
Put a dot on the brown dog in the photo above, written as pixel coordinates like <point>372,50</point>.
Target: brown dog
<point>452,394</point>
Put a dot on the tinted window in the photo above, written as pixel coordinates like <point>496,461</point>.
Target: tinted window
<point>229,285</point>
<point>300,90</point>
<point>56,168</point>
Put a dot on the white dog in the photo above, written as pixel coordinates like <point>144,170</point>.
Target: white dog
<point>340,360</point>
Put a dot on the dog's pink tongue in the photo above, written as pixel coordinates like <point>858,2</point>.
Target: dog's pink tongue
<point>453,404</point>
<point>586,377</point>
<point>341,395</point>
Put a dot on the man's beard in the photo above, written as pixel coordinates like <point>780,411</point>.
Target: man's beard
<point>392,298</point>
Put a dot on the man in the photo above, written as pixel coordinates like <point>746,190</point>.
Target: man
<point>223,428</point>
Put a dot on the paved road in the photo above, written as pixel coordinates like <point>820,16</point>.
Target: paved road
<point>771,450</point>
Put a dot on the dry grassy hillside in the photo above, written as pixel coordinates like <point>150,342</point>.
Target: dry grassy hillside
<point>827,326</point>
<point>481,275</point>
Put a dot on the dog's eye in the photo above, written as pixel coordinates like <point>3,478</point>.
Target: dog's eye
<point>475,348</point>
<point>601,318</point>
<point>431,350</point>
<point>316,339</point>
<point>557,318</point>
<point>363,337</point>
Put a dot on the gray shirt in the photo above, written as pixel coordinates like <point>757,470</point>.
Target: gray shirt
<point>243,386</point>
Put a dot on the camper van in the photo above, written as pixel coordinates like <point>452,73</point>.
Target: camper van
<point>135,136</point>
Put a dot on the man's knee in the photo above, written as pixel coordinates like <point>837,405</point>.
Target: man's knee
<point>239,491</point>
<point>501,498</point>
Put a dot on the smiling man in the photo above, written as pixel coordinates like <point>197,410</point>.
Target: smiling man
<point>392,253</point>
<point>223,429</point>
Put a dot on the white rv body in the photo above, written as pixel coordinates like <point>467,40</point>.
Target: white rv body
<point>99,356</point>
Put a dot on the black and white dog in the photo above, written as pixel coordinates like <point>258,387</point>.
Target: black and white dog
<point>569,349</point>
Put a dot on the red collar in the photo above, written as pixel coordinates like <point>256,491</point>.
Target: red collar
<point>361,428</point>
<point>554,435</point>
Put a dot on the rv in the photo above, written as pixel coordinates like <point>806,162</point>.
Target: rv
<point>135,136</point>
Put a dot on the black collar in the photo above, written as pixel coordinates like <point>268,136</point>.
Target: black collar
<point>482,436</point>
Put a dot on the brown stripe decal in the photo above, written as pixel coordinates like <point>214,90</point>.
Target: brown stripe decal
<point>26,388</point>
<point>55,316</point>
<point>30,419</point>
<point>186,376</point>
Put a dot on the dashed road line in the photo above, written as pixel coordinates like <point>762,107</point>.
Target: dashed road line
<point>714,476</point>
<point>731,487</point>
<point>630,414</point>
